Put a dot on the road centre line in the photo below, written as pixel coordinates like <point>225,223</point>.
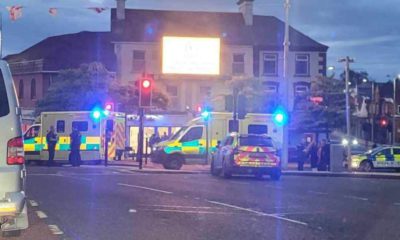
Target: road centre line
<point>75,178</point>
<point>259,213</point>
<point>176,206</point>
<point>33,203</point>
<point>186,211</point>
<point>318,193</point>
<point>55,230</point>
<point>356,198</point>
<point>145,188</point>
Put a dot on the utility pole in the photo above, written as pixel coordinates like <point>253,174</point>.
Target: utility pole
<point>373,114</point>
<point>286,85</point>
<point>394,112</point>
<point>347,60</point>
<point>140,138</point>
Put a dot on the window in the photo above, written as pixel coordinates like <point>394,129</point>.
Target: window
<point>33,88</point>
<point>4,106</point>
<point>32,132</point>
<point>139,61</point>
<point>396,151</point>
<point>302,64</point>
<point>257,129</point>
<point>172,91</point>
<point>270,64</point>
<point>385,152</point>
<point>238,64</point>
<point>194,133</point>
<point>255,141</point>
<point>21,89</point>
<point>82,126</point>
<point>60,128</point>
<point>301,89</point>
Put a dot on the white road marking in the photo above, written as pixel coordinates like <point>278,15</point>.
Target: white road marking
<point>75,178</point>
<point>33,203</point>
<point>397,203</point>
<point>176,206</point>
<point>132,211</point>
<point>145,188</point>
<point>55,230</point>
<point>259,213</point>
<point>187,211</point>
<point>318,193</point>
<point>356,198</point>
<point>41,214</point>
<point>42,174</point>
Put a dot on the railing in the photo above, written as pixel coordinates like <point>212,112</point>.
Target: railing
<point>27,66</point>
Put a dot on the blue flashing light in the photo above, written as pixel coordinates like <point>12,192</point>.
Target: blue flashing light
<point>205,114</point>
<point>280,117</point>
<point>106,113</point>
<point>96,114</point>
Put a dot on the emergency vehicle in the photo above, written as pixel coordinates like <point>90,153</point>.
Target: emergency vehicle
<point>189,144</point>
<point>92,126</point>
<point>377,158</point>
<point>246,154</point>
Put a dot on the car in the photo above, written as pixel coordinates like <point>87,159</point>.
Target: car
<point>13,207</point>
<point>384,157</point>
<point>246,154</point>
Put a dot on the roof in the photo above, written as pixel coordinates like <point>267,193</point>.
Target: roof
<point>152,25</point>
<point>70,51</point>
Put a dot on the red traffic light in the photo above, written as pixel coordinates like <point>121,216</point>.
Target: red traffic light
<point>109,106</point>
<point>146,83</point>
<point>383,122</point>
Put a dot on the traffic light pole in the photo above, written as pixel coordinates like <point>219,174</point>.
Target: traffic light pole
<point>140,138</point>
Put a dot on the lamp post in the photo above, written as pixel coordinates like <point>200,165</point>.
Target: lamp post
<point>347,60</point>
<point>394,110</point>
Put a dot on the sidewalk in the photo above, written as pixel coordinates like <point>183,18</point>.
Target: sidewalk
<point>290,171</point>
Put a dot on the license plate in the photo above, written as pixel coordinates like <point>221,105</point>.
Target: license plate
<point>258,155</point>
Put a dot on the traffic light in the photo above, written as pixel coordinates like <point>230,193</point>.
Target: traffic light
<point>109,106</point>
<point>280,116</point>
<point>145,92</point>
<point>241,106</point>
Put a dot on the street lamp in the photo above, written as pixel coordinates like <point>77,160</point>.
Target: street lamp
<point>394,110</point>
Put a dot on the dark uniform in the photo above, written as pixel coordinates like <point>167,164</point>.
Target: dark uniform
<point>51,139</point>
<point>75,146</point>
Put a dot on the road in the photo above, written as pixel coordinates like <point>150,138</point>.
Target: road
<point>116,203</point>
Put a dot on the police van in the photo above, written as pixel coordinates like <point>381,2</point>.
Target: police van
<point>190,144</point>
<point>92,126</point>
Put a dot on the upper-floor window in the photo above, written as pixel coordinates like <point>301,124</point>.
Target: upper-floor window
<point>270,64</point>
<point>33,88</point>
<point>139,61</point>
<point>238,64</point>
<point>301,89</point>
<point>302,64</point>
<point>21,89</point>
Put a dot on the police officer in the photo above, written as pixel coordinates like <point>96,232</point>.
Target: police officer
<point>51,139</point>
<point>75,146</point>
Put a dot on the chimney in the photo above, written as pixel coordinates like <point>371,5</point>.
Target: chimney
<point>246,8</point>
<point>121,9</point>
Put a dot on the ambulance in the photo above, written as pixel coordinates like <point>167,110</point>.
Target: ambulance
<point>190,144</point>
<point>92,126</point>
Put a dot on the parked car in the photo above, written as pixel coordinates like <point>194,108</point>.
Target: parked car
<point>246,154</point>
<point>377,158</point>
<point>13,208</point>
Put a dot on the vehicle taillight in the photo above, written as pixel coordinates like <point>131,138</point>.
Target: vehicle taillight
<point>15,151</point>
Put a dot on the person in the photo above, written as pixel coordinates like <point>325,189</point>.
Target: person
<point>75,146</point>
<point>312,150</point>
<point>323,156</point>
<point>51,139</point>
<point>164,137</point>
<point>301,155</point>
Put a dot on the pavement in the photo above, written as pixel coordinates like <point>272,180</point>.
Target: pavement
<point>94,202</point>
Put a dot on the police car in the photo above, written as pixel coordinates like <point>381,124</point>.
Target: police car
<point>377,158</point>
<point>246,154</point>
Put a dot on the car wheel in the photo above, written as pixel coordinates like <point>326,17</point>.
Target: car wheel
<point>276,175</point>
<point>226,172</point>
<point>213,170</point>
<point>174,162</point>
<point>366,166</point>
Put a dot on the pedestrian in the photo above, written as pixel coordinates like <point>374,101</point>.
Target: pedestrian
<point>51,139</point>
<point>301,154</point>
<point>75,156</point>
<point>164,137</point>
<point>312,150</point>
<point>323,156</point>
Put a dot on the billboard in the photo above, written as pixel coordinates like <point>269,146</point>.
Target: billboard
<point>194,56</point>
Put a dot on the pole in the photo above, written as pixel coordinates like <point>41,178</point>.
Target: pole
<point>106,148</point>
<point>347,62</point>
<point>140,138</point>
<point>1,35</point>
<point>394,112</point>
<point>286,85</point>
<point>207,142</point>
<point>373,114</point>
<point>235,110</point>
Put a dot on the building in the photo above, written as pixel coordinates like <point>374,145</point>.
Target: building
<point>35,68</point>
<point>251,46</point>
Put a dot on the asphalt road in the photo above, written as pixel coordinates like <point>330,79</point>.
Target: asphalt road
<point>115,203</point>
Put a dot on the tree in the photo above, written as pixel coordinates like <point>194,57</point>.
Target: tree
<point>89,86</point>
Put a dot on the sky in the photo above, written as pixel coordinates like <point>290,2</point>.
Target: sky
<point>366,30</point>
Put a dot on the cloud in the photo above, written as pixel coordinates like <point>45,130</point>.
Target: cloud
<point>366,41</point>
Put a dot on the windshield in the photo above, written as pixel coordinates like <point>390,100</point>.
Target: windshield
<point>178,133</point>
<point>255,141</point>
<point>4,105</point>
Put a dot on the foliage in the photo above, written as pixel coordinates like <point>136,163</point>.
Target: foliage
<point>89,86</point>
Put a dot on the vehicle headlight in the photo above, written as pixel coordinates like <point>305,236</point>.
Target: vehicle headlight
<point>355,142</point>
<point>354,164</point>
<point>345,142</point>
